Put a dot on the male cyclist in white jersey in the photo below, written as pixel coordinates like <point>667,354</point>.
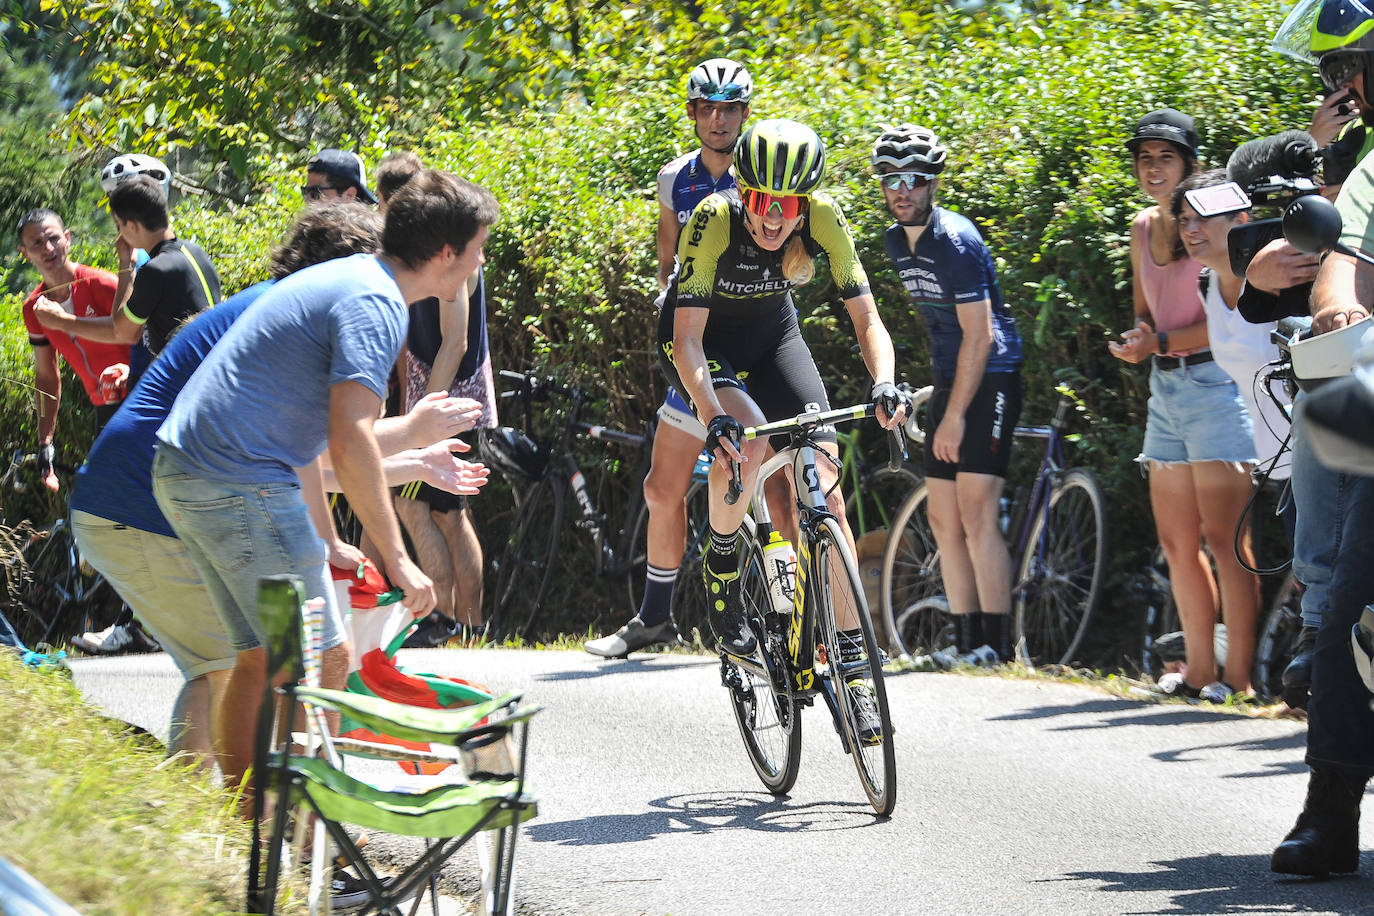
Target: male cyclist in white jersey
<point>718,93</point>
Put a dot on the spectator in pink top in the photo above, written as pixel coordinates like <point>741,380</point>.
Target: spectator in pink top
<point>1199,445</point>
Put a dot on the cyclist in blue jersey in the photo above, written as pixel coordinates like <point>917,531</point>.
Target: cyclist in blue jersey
<point>976,355</point>
<point>718,94</point>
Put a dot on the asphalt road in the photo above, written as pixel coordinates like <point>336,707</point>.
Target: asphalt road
<point>1014,796</point>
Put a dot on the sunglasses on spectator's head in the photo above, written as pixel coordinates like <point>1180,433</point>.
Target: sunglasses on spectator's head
<point>316,191</point>
<point>761,203</point>
<point>909,180</point>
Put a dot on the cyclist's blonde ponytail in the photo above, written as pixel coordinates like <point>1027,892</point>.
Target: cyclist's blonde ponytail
<point>797,265</point>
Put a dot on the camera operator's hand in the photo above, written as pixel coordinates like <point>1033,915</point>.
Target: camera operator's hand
<point>1279,265</point>
<point>1335,111</point>
<point>1335,317</point>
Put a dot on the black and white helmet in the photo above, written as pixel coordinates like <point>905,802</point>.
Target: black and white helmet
<point>908,148</point>
<point>130,165</point>
<point>720,80</point>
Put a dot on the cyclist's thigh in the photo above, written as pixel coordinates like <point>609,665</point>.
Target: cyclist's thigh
<point>674,459</point>
<point>677,414</point>
<point>784,379</point>
<point>154,575</point>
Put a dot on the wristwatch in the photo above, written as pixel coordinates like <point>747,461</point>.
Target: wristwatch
<point>1163,338</point>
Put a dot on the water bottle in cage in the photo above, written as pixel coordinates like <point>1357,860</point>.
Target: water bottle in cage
<point>780,568</point>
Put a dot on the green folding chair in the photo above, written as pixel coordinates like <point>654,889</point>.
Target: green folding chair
<point>303,773</point>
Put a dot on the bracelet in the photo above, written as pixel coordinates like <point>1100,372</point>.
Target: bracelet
<point>1163,338</point>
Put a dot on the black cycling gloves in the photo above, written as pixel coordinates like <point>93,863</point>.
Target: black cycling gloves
<point>723,426</point>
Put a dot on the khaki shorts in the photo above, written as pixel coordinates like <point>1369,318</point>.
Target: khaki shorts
<point>155,577</point>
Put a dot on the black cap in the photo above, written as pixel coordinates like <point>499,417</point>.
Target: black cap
<point>1165,124</point>
<point>344,167</point>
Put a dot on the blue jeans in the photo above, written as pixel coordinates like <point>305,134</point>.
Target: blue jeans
<point>237,533</point>
<point>1320,495</point>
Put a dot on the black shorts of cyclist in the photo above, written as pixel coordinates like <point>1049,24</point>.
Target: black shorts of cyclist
<point>437,500</point>
<point>989,424</point>
<point>770,353</point>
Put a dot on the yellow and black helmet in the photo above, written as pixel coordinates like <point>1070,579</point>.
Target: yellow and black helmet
<point>780,157</point>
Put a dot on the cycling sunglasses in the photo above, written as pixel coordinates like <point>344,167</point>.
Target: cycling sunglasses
<point>1339,68</point>
<point>761,203</point>
<point>910,180</point>
<point>316,191</point>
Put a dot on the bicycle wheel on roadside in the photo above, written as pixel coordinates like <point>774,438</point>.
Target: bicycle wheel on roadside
<point>767,715</point>
<point>880,494</point>
<point>689,595</point>
<point>47,597</point>
<point>1278,637</point>
<point>838,594</point>
<point>526,565</point>
<point>1060,576</point>
<point>910,578</point>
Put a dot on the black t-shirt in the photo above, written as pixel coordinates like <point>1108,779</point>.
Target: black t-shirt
<point>177,282</point>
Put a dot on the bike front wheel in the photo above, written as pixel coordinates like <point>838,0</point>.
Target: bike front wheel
<point>527,563</point>
<point>910,579</point>
<point>1060,576</point>
<point>838,595</point>
<point>767,714</point>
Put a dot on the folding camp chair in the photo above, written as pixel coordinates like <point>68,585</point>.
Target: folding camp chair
<point>487,739</point>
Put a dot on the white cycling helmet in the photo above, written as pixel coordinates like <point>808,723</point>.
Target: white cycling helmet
<point>130,165</point>
<point>908,147</point>
<point>720,80</point>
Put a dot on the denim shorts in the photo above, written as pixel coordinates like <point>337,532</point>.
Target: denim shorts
<point>237,533</point>
<point>156,578</point>
<point>1196,414</point>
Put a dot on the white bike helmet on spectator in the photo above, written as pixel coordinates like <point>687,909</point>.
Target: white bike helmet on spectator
<point>130,165</point>
<point>909,148</point>
<point>720,80</point>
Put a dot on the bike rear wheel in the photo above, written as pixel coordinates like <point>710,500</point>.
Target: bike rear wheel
<point>689,597</point>
<point>767,715</point>
<point>880,494</point>
<point>1277,639</point>
<point>526,566</point>
<point>837,593</point>
<point>910,579</point>
<point>1060,577</point>
<point>58,598</point>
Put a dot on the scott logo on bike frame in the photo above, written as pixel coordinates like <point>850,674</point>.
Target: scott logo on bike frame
<point>803,675</point>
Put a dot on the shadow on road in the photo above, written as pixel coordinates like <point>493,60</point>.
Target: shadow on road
<point>1211,884</point>
<point>617,666</point>
<point>707,812</point>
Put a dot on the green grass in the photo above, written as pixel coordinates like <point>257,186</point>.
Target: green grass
<point>98,814</point>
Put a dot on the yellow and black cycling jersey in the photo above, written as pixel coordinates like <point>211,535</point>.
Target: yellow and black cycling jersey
<point>721,268</point>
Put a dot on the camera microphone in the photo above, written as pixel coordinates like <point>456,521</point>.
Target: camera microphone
<point>1289,155</point>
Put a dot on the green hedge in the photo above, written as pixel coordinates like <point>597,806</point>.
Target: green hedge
<point>1035,112</point>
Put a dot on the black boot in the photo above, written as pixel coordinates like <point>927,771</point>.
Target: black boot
<point>1326,837</point>
<point>1297,677</point>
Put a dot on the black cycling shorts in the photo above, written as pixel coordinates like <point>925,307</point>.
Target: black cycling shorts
<point>989,424</point>
<point>437,500</point>
<point>770,354</point>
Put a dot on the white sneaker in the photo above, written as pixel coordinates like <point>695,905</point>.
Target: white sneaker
<point>984,656</point>
<point>1173,684</point>
<point>112,639</point>
<point>631,638</point>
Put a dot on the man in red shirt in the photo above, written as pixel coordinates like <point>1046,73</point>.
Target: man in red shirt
<point>82,291</point>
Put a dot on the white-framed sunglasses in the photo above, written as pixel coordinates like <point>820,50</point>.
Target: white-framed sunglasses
<point>909,180</point>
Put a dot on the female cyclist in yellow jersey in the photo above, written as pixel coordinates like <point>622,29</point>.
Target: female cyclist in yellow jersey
<point>728,313</point>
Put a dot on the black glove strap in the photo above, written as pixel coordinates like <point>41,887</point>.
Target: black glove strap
<point>723,426</point>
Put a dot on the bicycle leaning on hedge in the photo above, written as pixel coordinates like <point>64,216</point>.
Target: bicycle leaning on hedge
<point>1060,555</point>
<point>797,654</point>
<point>541,473</point>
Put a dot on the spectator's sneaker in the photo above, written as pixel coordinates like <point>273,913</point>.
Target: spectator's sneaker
<point>434,630</point>
<point>727,616</point>
<point>1173,684</point>
<point>112,640</point>
<point>348,892</point>
<point>982,657</point>
<point>631,638</point>
<point>865,711</point>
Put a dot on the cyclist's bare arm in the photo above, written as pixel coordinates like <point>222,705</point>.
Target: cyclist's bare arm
<point>876,346</point>
<point>667,243</point>
<point>47,379</point>
<point>690,359</point>
<point>975,321</point>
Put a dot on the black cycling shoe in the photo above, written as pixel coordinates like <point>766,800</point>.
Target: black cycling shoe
<point>866,718</point>
<point>727,616</point>
<point>1297,677</point>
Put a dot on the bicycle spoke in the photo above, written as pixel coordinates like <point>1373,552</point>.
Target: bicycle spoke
<point>910,582</point>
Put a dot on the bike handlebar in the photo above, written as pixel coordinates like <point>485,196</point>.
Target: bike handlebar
<point>809,420</point>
